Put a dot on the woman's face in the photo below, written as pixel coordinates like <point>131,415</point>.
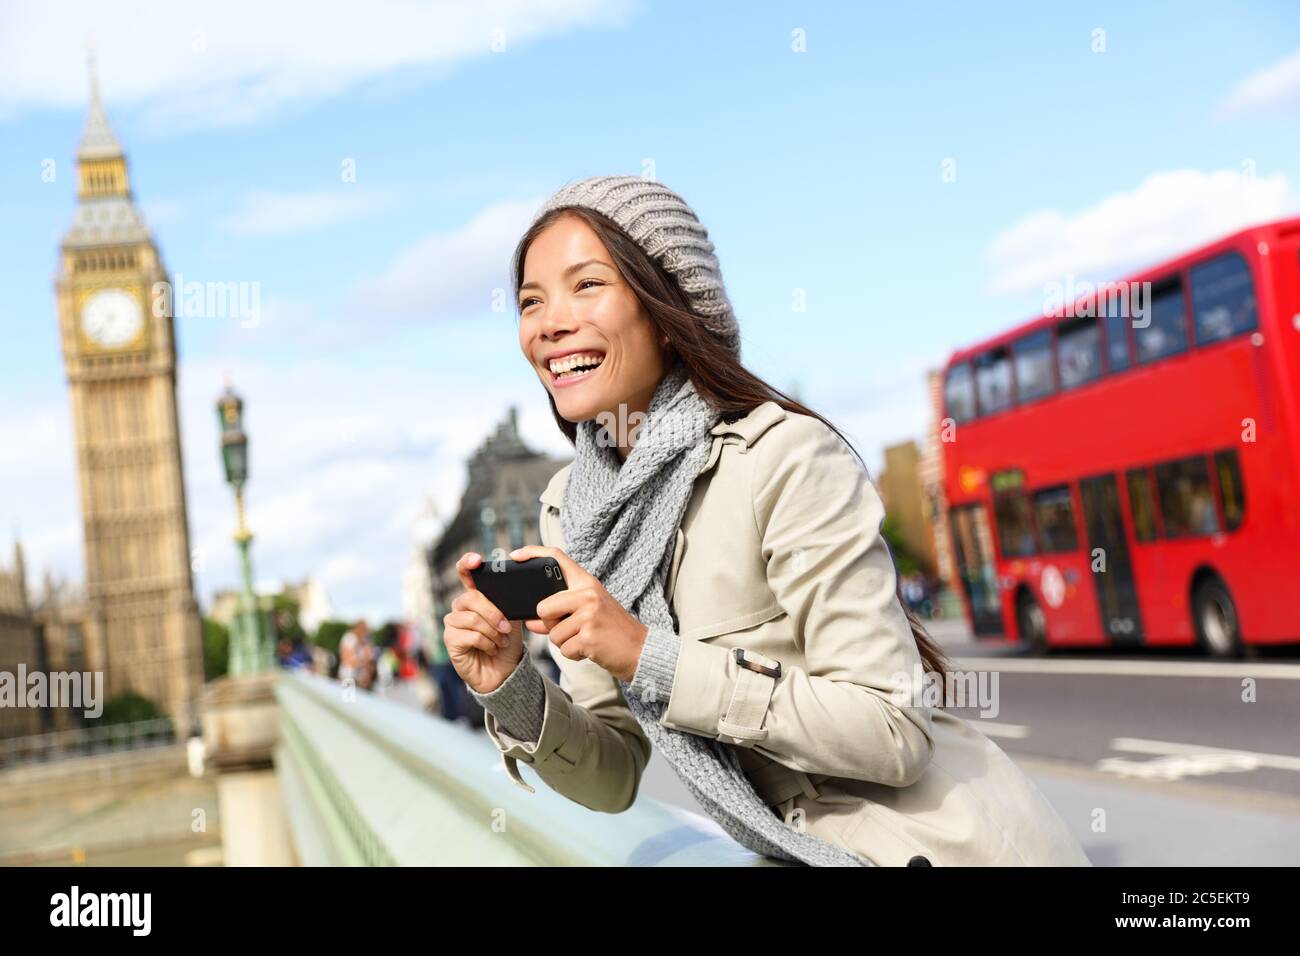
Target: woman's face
<point>576,310</point>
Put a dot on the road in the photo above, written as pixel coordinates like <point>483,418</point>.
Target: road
<point>1152,759</point>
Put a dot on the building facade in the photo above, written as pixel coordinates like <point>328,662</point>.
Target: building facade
<point>42,633</point>
<point>18,645</point>
<point>901,491</point>
<point>934,500</point>
<point>142,621</point>
<point>499,510</point>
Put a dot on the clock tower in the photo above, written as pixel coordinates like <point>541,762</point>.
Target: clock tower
<point>142,627</point>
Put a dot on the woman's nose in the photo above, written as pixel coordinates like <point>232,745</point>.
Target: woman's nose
<point>558,318</point>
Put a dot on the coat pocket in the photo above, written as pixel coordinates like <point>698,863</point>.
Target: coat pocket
<point>878,835</point>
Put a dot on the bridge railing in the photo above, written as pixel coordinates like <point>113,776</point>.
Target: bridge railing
<point>86,741</point>
<point>368,781</point>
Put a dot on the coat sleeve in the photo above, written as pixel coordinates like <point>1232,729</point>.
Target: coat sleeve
<point>819,518</point>
<point>590,749</point>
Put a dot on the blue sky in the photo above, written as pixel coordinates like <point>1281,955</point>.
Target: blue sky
<point>377,363</point>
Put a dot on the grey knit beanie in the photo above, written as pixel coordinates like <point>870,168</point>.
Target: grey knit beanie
<point>661,223</point>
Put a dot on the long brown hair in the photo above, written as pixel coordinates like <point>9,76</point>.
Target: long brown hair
<point>716,373</point>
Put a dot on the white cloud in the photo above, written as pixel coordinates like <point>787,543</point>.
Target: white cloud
<point>1275,88</point>
<point>449,273</point>
<point>217,63</point>
<point>337,452</point>
<point>265,213</point>
<point>38,491</point>
<point>1167,213</point>
<point>342,454</point>
<point>880,410</point>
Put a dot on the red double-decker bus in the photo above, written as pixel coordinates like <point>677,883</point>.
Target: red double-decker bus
<point>1124,470</point>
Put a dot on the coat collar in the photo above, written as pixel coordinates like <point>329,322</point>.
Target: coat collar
<point>743,431</point>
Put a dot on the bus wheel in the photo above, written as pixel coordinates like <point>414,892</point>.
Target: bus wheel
<point>1031,623</point>
<point>1218,632</point>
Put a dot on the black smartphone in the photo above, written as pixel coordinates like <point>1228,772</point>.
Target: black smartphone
<point>517,587</point>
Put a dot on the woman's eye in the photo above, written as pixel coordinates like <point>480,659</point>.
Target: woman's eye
<point>526,302</point>
<point>585,281</point>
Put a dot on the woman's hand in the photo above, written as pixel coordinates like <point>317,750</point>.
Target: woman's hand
<point>584,621</point>
<point>482,653</point>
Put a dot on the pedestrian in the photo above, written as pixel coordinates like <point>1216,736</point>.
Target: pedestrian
<point>357,655</point>
<point>730,599</point>
<point>451,688</point>
<point>293,653</point>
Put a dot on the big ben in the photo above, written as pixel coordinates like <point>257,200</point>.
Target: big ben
<point>119,351</point>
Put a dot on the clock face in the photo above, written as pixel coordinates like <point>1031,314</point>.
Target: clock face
<point>112,318</point>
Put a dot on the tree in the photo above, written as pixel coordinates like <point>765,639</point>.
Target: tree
<point>284,616</point>
<point>329,633</point>
<point>130,708</point>
<point>216,648</point>
<point>902,558</point>
<point>386,636</point>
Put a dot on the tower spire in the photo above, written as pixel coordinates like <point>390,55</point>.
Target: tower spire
<point>97,141</point>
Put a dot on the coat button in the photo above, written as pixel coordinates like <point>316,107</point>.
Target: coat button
<point>918,860</point>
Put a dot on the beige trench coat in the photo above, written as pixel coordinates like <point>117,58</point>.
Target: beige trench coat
<point>779,552</point>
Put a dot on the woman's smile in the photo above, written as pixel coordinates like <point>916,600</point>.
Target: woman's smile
<point>571,368</point>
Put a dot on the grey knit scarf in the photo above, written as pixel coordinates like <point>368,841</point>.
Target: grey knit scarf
<point>620,522</point>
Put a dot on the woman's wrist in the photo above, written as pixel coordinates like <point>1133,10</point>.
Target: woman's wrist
<point>657,667</point>
<point>519,704</point>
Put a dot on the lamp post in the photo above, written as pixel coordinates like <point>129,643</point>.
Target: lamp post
<point>249,652</point>
<point>241,717</point>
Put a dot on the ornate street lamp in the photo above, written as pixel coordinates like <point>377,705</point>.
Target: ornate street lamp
<point>250,652</point>
<point>487,529</point>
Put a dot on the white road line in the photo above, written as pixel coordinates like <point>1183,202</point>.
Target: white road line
<point>1141,745</point>
<point>1025,665</point>
<point>993,729</point>
<point>1178,766</point>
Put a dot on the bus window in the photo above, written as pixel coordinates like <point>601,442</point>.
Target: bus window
<point>959,393</point>
<point>1117,322</point>
<point>1223,298</point>
<point>1078,352</point>
<point>1186,501</point>
<point>1231,490</point>
<point>1055,511</point>
<point>1162,331</point>
<point>993,381</point>
<point>1034,366</point>
<point>1015,525</point>
<point>1144,511</point>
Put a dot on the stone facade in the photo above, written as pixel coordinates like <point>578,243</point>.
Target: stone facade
<point>141,624</point>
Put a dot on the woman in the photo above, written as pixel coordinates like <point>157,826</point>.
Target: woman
<point>730,600</point>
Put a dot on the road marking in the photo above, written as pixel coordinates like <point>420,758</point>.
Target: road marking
<point>1174,761</point>
<point>993,729</point>
<point>1134,668</point>
<point>1142,745</point>
<point>1214,791</point>
<point>1178,766</point>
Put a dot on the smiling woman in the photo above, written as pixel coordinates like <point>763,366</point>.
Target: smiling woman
<point>730,600</point>
<point>582,326</point>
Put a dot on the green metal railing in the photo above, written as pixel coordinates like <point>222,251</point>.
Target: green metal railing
<point>368,781</point>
